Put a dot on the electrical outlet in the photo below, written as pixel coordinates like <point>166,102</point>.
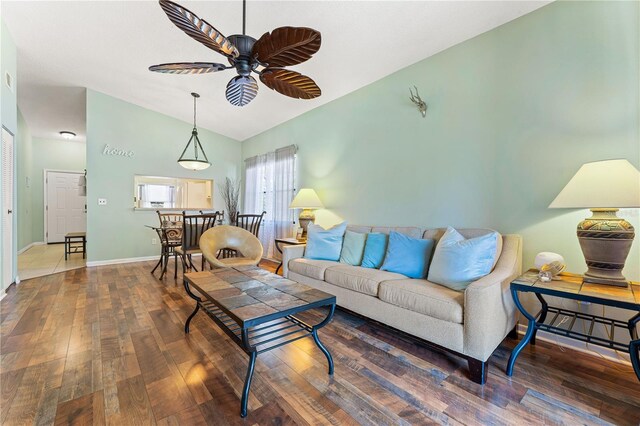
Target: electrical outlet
<point>102,201</point>
<point>154,241</point>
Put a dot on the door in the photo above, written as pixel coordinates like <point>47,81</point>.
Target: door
<point>65,208</point>
<point>7,209</point>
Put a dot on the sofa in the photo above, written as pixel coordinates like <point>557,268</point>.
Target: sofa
<point>470,323</point>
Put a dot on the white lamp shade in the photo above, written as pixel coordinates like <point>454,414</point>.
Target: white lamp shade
<point>194,164</point>
<point>306,199</point>
<point>601,184</point>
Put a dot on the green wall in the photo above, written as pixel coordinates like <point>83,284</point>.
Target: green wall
<point>512,114</point>
<point>116,231</point>
<point>24,182</point>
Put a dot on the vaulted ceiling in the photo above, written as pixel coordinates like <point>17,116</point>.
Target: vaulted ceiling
<point>66,46</point>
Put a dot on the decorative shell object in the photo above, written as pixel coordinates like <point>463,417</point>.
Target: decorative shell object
<point>547,257</point>
<point>550,270</point>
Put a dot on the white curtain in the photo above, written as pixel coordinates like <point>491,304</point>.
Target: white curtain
<point>269,186</point>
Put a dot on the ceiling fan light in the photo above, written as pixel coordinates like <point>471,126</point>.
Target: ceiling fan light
<point>67,134</point>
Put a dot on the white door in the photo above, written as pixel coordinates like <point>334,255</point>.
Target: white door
<point>64,206</point>
<point>7,209</point>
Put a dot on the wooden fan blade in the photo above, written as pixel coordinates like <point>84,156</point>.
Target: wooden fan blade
<point>188,68</point>
<point>198,29</point>
<point>286,46</point>
<point>241,90</point>
<point>290,83</point>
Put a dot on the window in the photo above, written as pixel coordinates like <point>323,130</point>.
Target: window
<point>269,186</point>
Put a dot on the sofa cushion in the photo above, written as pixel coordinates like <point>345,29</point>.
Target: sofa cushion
<point>425,298</point>
<point>310,267</point>
<point>409,231</point>
<point>362,280</point>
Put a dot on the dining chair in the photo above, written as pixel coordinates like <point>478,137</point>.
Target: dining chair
<point>194,225</point>
<point>170,234</point>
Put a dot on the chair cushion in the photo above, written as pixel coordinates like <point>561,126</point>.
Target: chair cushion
<point>310,267</point>
<point>458,261</point>
<point>408,256</point>
<point>425,298</point>
<point>352,248</point>
<point>324,244</point>
<point>232,262</point>
<point>362,280</point>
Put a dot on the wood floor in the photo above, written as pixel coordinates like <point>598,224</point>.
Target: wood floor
<point>106,345</point>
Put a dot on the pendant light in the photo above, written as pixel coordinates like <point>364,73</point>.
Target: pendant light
<point>199,160</point>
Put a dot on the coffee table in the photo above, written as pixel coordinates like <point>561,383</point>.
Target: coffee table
<point>256,309</point>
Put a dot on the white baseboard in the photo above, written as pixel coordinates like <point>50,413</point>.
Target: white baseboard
<point>2,295</point>
<point>28,246</point>
<point>94,263</point>
<point>118,261</point>
<point>576,345</point>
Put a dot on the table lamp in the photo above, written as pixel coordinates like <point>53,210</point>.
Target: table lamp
<point>605,239</point>
<point>306,199</point>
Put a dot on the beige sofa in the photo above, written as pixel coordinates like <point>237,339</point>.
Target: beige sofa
<point>470,324</point>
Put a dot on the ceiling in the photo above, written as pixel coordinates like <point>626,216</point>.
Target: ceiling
<point>66,46</point>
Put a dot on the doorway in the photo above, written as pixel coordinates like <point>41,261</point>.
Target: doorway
<point>7,209</point>
<point>65,208</point>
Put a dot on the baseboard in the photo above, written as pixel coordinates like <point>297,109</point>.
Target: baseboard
<point>576,345</point>
<point>28,246</point>
<point>94,263</point>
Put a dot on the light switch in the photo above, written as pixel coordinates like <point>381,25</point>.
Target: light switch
<point>102,201</point>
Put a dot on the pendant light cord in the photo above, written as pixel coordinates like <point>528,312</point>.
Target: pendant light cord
<point>244,16</point>
<point>194,112</point>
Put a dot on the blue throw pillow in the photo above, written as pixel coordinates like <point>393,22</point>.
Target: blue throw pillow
<point>374,250</point>
<point>324,244</point>
<point>408,256</point>
<point>457,262</point>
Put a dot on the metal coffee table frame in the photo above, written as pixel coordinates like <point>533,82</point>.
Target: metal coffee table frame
<point>264,333</point>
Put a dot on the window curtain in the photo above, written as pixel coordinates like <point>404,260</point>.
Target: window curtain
<point>269,186</point>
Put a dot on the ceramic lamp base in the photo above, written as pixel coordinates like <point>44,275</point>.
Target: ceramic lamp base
<point>306,217</point>
<point>605,240</point>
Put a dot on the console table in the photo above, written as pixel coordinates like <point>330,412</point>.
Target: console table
<point>257,310</point>
<point>622,336</point>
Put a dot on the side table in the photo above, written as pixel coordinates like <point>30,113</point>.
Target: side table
<point>622,336</point>
<point>287,241</point>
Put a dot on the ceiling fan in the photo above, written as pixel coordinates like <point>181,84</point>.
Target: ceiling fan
<point>265,57</point>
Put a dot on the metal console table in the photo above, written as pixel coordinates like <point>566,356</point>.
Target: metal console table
<point>256,309</point>
<point>621,336</point>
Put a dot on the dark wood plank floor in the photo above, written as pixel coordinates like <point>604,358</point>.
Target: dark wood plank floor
<point>106,346</point>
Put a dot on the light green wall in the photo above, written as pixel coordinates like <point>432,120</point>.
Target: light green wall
<point>512,115</point>
<point>51,154</point>
<point>8,119</point>
<point>116,231</point>
<point>24,182</point>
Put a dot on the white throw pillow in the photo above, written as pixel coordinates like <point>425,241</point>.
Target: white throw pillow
<point>457,261</point>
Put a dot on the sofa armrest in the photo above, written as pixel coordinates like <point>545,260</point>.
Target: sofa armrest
<point>288,253</point>
<point>489,311</point>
